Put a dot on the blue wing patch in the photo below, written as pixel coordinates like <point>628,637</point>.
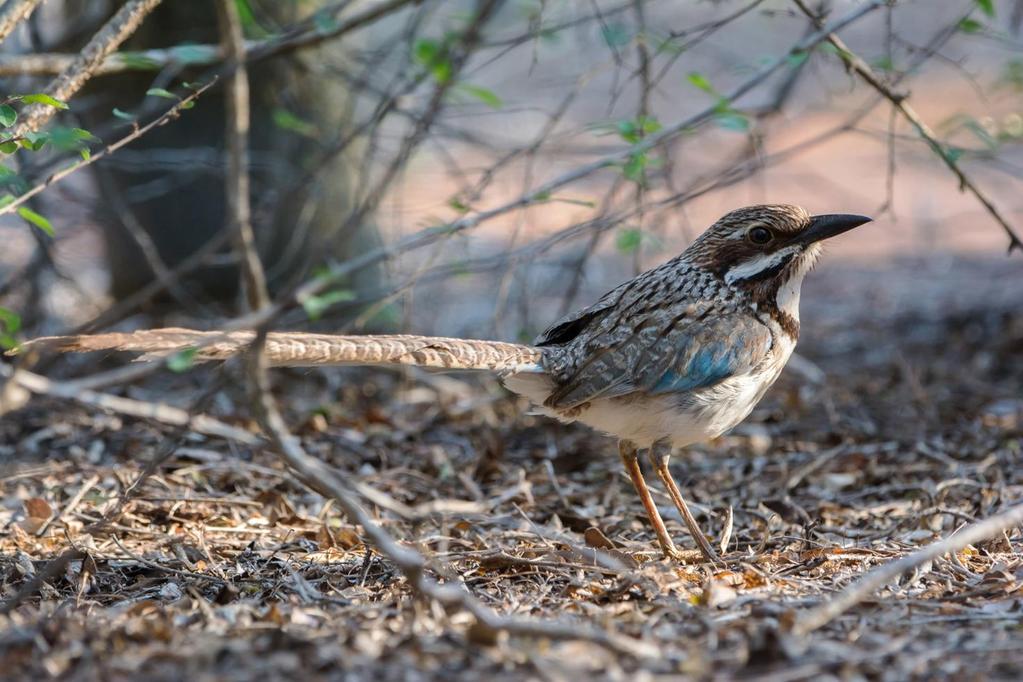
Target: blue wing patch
<point>709,365</point>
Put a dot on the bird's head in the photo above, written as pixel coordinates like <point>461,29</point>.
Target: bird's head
<point>767,250</point>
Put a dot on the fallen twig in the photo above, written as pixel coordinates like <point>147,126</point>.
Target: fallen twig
<point>879,577</point>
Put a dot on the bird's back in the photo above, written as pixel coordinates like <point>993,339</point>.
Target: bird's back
<point>673,354</point>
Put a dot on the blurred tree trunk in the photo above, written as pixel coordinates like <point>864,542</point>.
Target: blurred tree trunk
<point>170,183</point>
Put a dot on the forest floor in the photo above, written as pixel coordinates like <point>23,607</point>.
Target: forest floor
<point>221,566</point>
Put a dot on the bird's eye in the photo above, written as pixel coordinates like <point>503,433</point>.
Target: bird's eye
<point>759,235</point>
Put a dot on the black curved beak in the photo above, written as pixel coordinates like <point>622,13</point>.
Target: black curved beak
<point>827,226</point>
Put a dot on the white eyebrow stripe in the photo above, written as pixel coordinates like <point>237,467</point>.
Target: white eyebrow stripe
<point>755,266</point>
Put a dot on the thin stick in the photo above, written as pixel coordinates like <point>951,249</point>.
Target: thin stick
<point>253,280</point>
<point>821,615</point>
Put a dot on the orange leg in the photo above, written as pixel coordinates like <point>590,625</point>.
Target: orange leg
<point>627,451</point>
<point>660,464</point>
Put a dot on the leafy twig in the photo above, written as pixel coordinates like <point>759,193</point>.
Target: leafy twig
<point>138,132</point>
<point>107,39</point>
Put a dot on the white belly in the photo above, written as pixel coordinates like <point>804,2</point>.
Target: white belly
<point>645,420</point>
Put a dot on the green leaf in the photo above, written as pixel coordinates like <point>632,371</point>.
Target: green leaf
<point>700,81</point>
<point>733,120</point>
<point>67,139</point>
<point>181,361</point>
<point>797,58</point>
<point>10,323</point>
<point>123,115</point>
<point>34,218</point>
<point>8,115</point>
<point>434,55</point>
<point>138,61</point>
<point>10,320</point>
<point>629,240</point>
<point>458,205</point>
<point>315,306</point>
<point>8,147</point>
<point>35,141</point>
<point>482,94</point>
<point>160,92</point>
<point>426,50</point>
<point>987,7</point>
<point>194,54</point>
<point>286,120</point>
<point>632,131</point>
<point>635,168</point>
<point>969,25</point>
<point>43,98</point>
<point>6,200</point>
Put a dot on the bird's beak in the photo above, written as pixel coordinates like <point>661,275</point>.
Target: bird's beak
<point>827,226</point>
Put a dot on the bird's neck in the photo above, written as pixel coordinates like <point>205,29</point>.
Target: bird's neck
<point>779,302</point>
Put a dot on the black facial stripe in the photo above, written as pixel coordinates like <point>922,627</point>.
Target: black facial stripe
<point>767,273</point>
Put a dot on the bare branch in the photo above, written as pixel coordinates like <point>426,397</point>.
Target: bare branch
<point>867,74</point>
<point>253,281</point>
<point>15,13</point>
<point>543,192</point>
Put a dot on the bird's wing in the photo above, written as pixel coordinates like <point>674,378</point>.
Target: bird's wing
<point>694,348</point>
<point>568,328</point>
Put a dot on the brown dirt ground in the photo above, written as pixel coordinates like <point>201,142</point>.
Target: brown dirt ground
<point>222,567</point>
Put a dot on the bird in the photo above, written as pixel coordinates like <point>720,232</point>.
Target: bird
<point>677,355</point>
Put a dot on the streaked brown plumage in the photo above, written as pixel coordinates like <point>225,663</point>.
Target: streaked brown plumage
<point>679,354</point>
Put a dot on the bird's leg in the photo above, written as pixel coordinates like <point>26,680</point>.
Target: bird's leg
<point>660,464</point>
<point>627,451</point>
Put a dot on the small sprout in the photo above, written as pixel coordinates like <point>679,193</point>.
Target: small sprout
<point>285,120</point>
<point>700,81</point>
<point>482,94</point>
<point>33,218</point>
<point>987,7</point>
<point>161,92</point>
<point>315,306</point>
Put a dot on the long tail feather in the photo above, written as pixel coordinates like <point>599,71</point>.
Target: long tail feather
<point>298,349</point>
